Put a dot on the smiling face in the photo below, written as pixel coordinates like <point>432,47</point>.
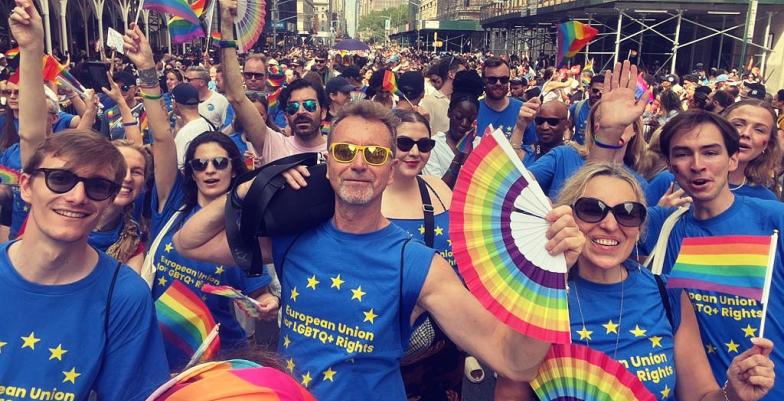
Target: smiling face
<point>496,81</point>
<point>411,163</point>
<point>754,125</point>
<point>134,176</point>
<point>211,182</point>
<point>461,119</point>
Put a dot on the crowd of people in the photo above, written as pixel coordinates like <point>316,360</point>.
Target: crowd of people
<point>114,210</point>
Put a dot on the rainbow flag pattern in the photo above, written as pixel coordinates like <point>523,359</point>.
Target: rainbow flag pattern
<point>183,31</point>
<point>641,88</point>
<point>185,320</point>
<point>9,176</point>
<point>576,372</point>
<point>572,37</point>
<point>272,98</point>
<point>216,36</point>
<point>11,53</point>
<point>733,264</point>
<point>176,8</point>
<point>52,68</point>
<point>249,23</point>
<point>389,84</point>
<point>499,246</point>
<point>244,302</point>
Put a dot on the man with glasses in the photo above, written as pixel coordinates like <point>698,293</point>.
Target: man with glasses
<point>497,109</point>
<point>255,73</point>
<point>365,283</point>
<point>212,105</point>
<point>578,112</point>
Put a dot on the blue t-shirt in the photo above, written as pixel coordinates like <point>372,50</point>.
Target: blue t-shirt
<point>346,309</point>
<point>63,121</point>
<point>236,137</point>
<point>659,185</point>
<point>278,116</point>
<point>441,242</point>
<point>170,265</point>
<point>727,322</point>
<point>555,167</point>
<point>640,337</point>
<point>579,119</point>
<point>505,120</point>
<point>53,337</point>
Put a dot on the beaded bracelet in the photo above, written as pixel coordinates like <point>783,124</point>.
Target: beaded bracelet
<point>724,391</point>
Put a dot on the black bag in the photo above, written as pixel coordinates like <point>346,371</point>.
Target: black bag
<point>272,208</point>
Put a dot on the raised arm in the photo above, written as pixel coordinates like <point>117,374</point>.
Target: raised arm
<point>138,50</point>
<point>524,118</point>
<point>254,125</point>
<point>27,29</point>
<point>91,111</point>
<point>130,125</point>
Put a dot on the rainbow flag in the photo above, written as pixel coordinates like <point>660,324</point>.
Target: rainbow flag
<point>183,31</point>
<point>12,53</point>
<point>176,8</point>
<point>9,176</point>
<point>272,98</point>
<point>642,87</point>
<point>733,264</point>
<point>216,36</point>
<point>185,320</point>
<point>198,7</point>
<point>389,83</point>
<point>572,37</point>
<point>52,68</point>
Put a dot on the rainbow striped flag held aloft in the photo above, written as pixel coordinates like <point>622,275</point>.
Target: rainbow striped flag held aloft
<point>389,83</point>
<point>572,37</point>
<point>52,68</point>
<point>183,31</point>
<point>185,320</point>
<point>733,264</point>
<point>272,98</point>
<point>176,8</point>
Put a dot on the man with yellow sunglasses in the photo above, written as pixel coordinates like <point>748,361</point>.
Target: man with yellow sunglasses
<point>353,286</point>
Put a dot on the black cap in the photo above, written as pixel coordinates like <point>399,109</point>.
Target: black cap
<point>518,81</point>
<point>124,78</point>
<point>671,78</point>
<point>339,84</point>
<point>185,94</point>
<point>756,91</point>
<point>411,84</point>
<point>705,89</point>
<point>351,72</point>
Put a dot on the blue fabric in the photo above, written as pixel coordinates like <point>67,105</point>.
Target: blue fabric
<point>170,265</point>
<point>579,119</point>
<point>63,121</point>
<point>229,117</point>
<point>441,242</point>
<point>102,240</point>
<point>727,320</point>
<point>343,310</point>
<point>111,123</point>
<point>505,120</point>
<point>236,137</point>
<point>640,338</point>
<point>754,191</point>
<point>278,116</point>
<point>70,318</point>
<point>658,186</point>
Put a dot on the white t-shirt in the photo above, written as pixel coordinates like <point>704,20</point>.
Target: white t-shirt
<point>278,146</point>
<point>186,134</point>
<point>440,157</point>
<point>437,105</point>
<point>216,109</point>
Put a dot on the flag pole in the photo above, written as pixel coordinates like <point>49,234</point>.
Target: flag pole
<point>138,13</point>
<point>774,239</point>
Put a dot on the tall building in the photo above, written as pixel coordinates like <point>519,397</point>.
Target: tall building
<point>338,9</point>
<point>322,15</point>
<point>306,17</point>
<point>453,10</point>
<point>429,10</point>
<point>368,6</point>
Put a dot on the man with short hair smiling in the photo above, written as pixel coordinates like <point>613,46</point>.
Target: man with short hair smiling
<point>496,108</point>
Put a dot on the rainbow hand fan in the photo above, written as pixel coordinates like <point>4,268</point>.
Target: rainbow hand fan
<point>9,176</point>
<point>251,15</point>
<point>498,231</point>
<point>244,302</point>
<point>576,372</point>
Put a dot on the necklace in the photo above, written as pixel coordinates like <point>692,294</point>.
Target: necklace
<point>739,186</point>
<point>620,314</point>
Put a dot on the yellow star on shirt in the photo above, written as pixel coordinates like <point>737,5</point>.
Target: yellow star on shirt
<point>30,340</point>
<point>638,332</point>
<point>731,346</point>
<point>168,247</point>
<point>422,230</point>
<point>219,270</point>
<point>357,293</point>
<point>290,365</point>
<point>710,349</point>
<point>2,344</point>
<point>584,333</point>
<point>71,375</point>
<point>666,392</point>
<point>336,282</point>
<point>370,316</point>
<point>57,352</point>
<point>162,281</point>
<point>306,379</point>
<point>611,327</point>
<point>439,231</point>
<point>655,341</point>
<point>749,331</point>
<point>312,282</point>
<point>329,374</point>
<point>286,342</point>
<point>294,294</point>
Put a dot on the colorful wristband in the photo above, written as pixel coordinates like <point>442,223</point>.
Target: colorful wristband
<point>150,97</point>
<point>224,44</point>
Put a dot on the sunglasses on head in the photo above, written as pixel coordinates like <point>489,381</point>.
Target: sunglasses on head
<point>220,163</point>
<point>551,121</point>
<point>424,145</point>
<point>256,76</point>
<point>347,152</point>
<point>627,214</point>
<point>310,105</point>
<point>61,181</point>
<point>496,80</point>
<point>10,92</point>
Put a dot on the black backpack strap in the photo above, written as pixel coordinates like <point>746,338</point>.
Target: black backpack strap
<point>212,126</point>
<point>427,209</point>
<point>665,298</point>
<point>436,194</point>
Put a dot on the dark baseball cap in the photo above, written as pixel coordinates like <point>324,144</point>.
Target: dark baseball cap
<point>411,84</point>
<point>124,78</point>
<point>518,81</point>
<point>351,72</point>
<point>186,94</point>
<point>339,84</point>
<point>756,91</point>
<point>671,78</point>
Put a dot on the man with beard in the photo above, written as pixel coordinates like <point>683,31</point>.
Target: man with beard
<point>719,100</point>
<point>578,112</point>
<point>496,108</point>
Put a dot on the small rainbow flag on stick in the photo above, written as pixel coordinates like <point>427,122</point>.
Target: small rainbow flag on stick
<point>177,8</point>
<point>641,88</point>
<point>572,37</point>
<point>185,321</point>
<point>389,83</point>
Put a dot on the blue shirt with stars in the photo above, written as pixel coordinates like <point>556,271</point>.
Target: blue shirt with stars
<point>441,242</point>
<point>53,342</point>
<point>505,120</point>
<point>727,322</point>
<point>347,308</point>
<point>627,321</point>
<point>170,265</point>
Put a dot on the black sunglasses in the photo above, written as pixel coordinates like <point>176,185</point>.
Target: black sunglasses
<point>321,61</point>
<point>496,80</point>
<point>61,181</point>
<point>10,92</point>
<point>256,76</point>
<point>552,121</point>
<point>220,163</point>
<point>125,87</point>
<point>310,105</point>
<point>424,145</point>
<point>627,214</point>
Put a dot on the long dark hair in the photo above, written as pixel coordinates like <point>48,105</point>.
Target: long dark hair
<point>237,164</point>
<point>10,135</point>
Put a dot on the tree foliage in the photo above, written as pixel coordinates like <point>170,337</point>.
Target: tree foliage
<point>371,26</point>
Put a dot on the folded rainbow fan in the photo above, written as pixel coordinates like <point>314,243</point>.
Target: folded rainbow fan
<point>244,302</point>
<point>249,22</point>
<point>498,237</point>
<point>576,372</point>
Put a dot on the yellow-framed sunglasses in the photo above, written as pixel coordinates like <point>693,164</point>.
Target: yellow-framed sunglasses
<point>346,153</point>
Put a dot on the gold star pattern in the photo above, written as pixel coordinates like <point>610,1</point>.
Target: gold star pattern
<point>584,333</point>
<point>611,327</point>
<point>2,344</point>
<point>638,332</point>
<point>286,342</point>
<point>748,331</point>
<point>161,281</point>
<point>168,247</point>
<point>219,270</point>
<point>294,294</point>
<point>30,340</point>
<point>666,392</point>
<point>290,365</point>
<point>370,316</point>
<point>336,282</point>
<point>357,293</point>
<point>57,352</point>
<point>655,341</point>
<point>329,374</point>
<point>439,231</point>
<point>312,282</point>
<point>710,349</point>
<point>422,230</point>
<point>306,379</point>
<point>71,375</point>
<point>731,346</point>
